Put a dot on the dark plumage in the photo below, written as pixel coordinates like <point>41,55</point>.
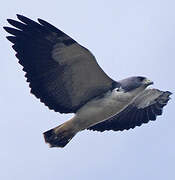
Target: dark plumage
<point>34,44</point>
<point>65,76</point>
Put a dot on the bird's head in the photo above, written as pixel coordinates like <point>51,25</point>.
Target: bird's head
<point>134,82</point>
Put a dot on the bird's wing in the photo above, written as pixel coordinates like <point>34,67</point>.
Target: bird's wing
<point>144,108</point>
<point>62,74</point>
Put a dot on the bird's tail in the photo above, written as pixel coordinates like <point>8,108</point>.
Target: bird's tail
<point>59,136</point>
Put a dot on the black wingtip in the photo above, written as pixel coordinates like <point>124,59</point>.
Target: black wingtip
<point>50,26</point>
<point>11,38</point>
<point>26,20</point>
<point>12,31</point>
<point>168,93</point>
<point>9,20</point>
<point>41,21</point>
<point>7,29</point>
<point>20,16</point>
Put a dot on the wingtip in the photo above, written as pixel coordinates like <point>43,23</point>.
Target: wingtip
<point>12,39</point>
<point>41,21</point>
<point>23,18</point>
<point>9,20</point>
<point>12,22</point>
<point>19,15</point>
<point>169,93</point>
<point>6,28</point>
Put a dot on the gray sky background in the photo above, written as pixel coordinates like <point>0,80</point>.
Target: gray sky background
<point>128,38</point>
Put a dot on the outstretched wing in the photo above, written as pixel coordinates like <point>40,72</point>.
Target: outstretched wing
<point>62,74</point>
<point>144,108</point>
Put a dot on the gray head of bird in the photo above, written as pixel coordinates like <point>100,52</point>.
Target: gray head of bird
<point>134,82</point>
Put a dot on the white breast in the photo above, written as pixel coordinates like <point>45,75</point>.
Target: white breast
<point>99,109</point>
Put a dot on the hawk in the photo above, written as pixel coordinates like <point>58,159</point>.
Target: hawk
<point>66,77</point>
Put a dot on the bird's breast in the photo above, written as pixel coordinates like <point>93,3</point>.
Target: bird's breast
<point>99,109</point>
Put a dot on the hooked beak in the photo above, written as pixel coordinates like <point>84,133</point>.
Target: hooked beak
<point>148,82</point>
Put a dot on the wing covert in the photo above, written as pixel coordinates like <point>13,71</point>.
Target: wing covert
<point>62,74</point>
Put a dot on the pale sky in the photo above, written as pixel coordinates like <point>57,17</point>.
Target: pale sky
<point>128,38</point>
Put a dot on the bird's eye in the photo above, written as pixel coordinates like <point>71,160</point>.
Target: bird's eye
<point>118,89</point>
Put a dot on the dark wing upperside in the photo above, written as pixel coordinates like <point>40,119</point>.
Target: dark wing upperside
<point>62,74</point>
<point>144,108</point>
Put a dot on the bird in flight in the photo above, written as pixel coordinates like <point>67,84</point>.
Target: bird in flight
<point>66,77</point>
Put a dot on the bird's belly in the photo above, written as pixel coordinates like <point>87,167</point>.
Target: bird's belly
<point>98,110</point>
